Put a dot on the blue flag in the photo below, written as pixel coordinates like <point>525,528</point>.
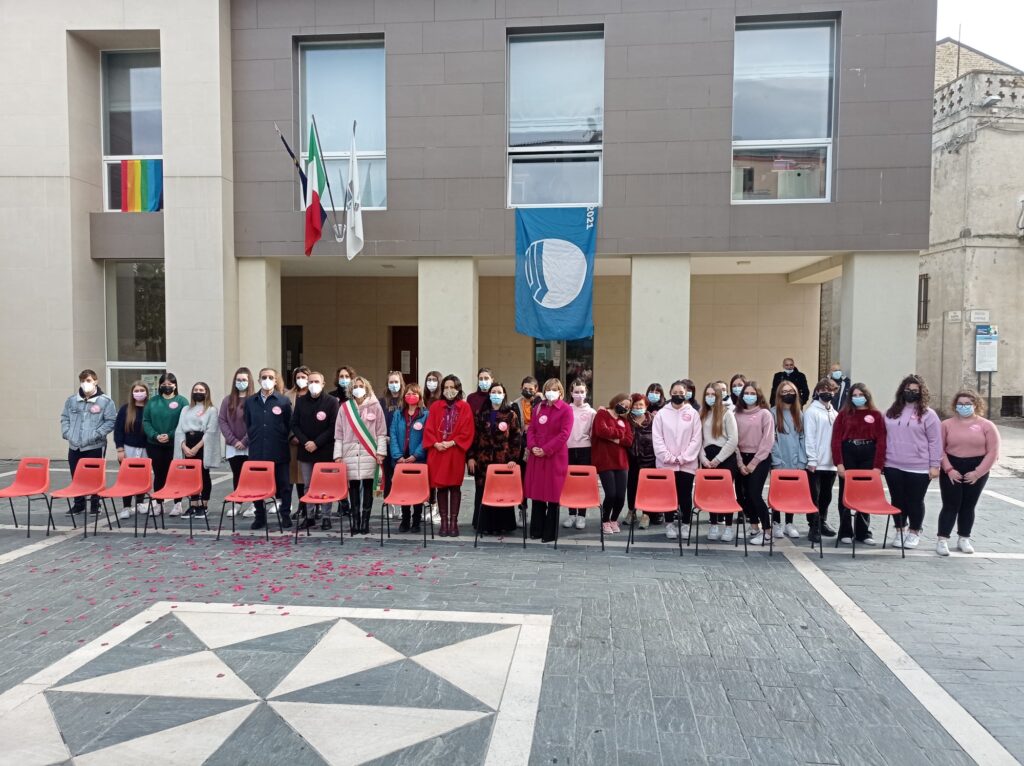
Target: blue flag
<point>555,272</point>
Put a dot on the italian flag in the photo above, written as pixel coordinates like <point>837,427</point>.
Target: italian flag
<point>316,180</point>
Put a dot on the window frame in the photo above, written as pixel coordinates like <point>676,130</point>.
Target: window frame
<point>802,143</point>
<point>554,151</point>
<point>303,133</point>
<point>923,299</point>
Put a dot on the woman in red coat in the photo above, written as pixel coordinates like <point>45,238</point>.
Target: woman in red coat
<point>446,437</point>
<point>611,437</point>
<point>547,452</point>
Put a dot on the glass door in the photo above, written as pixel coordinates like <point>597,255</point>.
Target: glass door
<point>565,360</point>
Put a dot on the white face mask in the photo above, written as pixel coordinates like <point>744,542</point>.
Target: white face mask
<point>358,392</point>
<point>267,384</point>
<point>315,389</point>
<point>88,386</point>
<point>551,395</point>
<point>301,383</point>
<point>431,385</point>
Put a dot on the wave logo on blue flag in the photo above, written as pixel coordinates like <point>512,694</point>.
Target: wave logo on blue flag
<point>555,272</point>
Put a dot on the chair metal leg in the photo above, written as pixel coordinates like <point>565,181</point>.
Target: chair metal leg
<point>558,526</point>
<point>49,511</point>
<point>28,518</point>
<point>220,524</point>
<point>277,512</point>
<point>696,539</point>
<point>903,550</point>
<point>743,521</point>
<point>885,536</point>
<point>74,524</point>
<point>629,537</point>
<point>821,540</point>
<point>854,550</point>
<point>479,525</point>
<point>679,530</point>
<point>13,516</point>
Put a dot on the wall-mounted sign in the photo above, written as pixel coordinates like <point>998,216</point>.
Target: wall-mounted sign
<point>954,316</point>
<point>986,348</point>
<point>979,315</point>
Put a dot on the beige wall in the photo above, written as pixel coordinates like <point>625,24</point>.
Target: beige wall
<point>506,352</point>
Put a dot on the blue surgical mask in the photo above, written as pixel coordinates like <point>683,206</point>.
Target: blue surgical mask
<point>394,387</point>
<point>710,400</point>
<point>654,397</point>
<point>687,395</point>
<point>965,410</point>
<point>485,385</point>
<point>241,385</point>
<point>737,390</point>
<point>749,399</point>
<point>837,374</point>
<point>859,401</point>
<point>637,413</point>
<point>785,371</point>
<point>344,382</point>
<point>497,398</point>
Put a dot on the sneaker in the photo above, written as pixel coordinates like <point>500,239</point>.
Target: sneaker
<point>156,509</point>
<point>606,527</point>
<point>176,510</point>
<point>142,509</point>
<point>231,510</point>
<point>846,540</point>
<point>777,531</point>
<point>895,542</point>
<point>827,531</point>
<point>761,539</point>
<point>728,535</point>
<point>753,532</point>
<point>867,541</point>
<point>964,544</point>
<point>671,532</point>
<point>790,530</point>
<point>569,522</point>
<point>249,513</point>
<point>630,518</point>
<point>645,521</point>
<point>942,546</point>
<point>615,527</point>
<point>715,533</point>
<point>124,514</point>
<point>581,523</point>
<point>911,540</point>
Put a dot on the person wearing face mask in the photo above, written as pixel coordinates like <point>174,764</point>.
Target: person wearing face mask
<point>677,440</point>
<point>547,445</point>
<point>479,400</point>
<point>497,440</point>
<point>361,442</point>
<point>405,445</point>
<point>641,455</point>
<point>130,440</point>
<point>312,427</point>
<point>612,436</point>
<point>343,377</point>
<point>300,382</point>
<point>197,438</point>
<point>431,388</point>
<point>160,422</point>
<point>835,372</point>
<point>792,374</point>
<point>719,439</point>
<point>268,417</point>
<point>858,442</point>
<point>722,388</point>
<point>447,437</point>
<point>524,404</point>
<point>913,456</point>
<point>970,449</point>
<point>690,393</point>
<point>232,427</point>
<point>790,449</point>
<point>391,403</point>
<point>86,420</point>
<point>655,397</point>
<point>579,444</point>
<point>755,430</point>
<point>819,420</point>
<point>736,384</point>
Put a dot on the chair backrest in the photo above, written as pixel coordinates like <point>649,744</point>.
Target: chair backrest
<point>713,491</point>
<point>863,492</point>
<point>90,477</point>
<point>257,479</point>
<point>656,490</point>
<point>135,476</point>
<point>503,486</point>
<point>410,484</point>
<point>790,491</point>
<point>328,480</point>
<point>581,487</point>
<point>33,477</point>
<point>184,478</point>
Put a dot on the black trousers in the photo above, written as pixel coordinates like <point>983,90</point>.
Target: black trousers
<point>753,491</point>
<point>283,488</point>
<point>729,464</point>
<point>74,455</point>
<point>579,456</point>
<point>543,520</point>
<point>859,457</point>
<point>822,483</point>
<point>236,463</point>
<point>959,500</point>
<point>684,493</point>
<point>192,438</point>
<point>906,492</point>
<point>614,485</point>
<point>161,455</point>
<point>360,494</point>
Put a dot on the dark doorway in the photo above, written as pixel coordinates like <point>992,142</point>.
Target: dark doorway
<point>291,351</point>
<point>405,344</point>
<point>565,360</point>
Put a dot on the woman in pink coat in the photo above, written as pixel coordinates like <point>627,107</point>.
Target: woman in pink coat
<point>548,454</point>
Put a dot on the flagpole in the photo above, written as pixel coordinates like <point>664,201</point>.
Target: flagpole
<point>327,177</point>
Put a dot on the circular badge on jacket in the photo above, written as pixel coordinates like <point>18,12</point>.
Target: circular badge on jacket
<point>869,418</point>
<point>173,405</point>
<point>417,426</point>
<point>542,419</point>
<point>96,408</point>
<point>276,410</point>
<point>503,426</point>
<point>621,424</point>
<point>321,415</point>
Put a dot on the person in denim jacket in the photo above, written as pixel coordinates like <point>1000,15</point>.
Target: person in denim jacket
<point>88,417</point>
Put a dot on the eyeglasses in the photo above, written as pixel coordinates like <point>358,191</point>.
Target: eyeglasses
<point>266,377</point>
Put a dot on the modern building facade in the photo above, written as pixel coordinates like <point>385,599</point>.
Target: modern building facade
<point>740,155</point>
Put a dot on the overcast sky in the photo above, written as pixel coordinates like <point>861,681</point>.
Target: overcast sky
<point>993,26</point>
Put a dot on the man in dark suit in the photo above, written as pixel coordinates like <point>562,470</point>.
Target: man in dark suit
<point>794,376</point>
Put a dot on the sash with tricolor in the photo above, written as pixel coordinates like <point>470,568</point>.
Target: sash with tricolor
<point>364,436</point>
<point>142,186</point>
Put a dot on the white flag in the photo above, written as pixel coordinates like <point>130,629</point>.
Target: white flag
<point>353,211</point>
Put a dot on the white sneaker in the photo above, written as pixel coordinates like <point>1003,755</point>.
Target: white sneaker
<point>942,546</point>
<point>249,513</point>
<point>895,543</point>
<point>777,532</point>
<point>752,533</point>
<point>867,541</point>
<point>232,509</point>
<point>790,530</point>
<point>728,535</point>
<point>964,544</point>
<point>715,533</point>
<point>569,522</point>
<point>581,522</point>
<point>124,514</point>
<point>911,540</point>
<point>156,509</point>
<point>671,532</point>
<point>846,540</point>
<point>142,509</point>
<point>176,510</point>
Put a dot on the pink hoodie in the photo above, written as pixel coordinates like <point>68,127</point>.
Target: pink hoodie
<point>677,438</point>
<point>757,433</point>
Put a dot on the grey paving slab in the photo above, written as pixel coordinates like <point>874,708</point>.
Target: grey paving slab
<point>465,745</point>
<point>263,662</point>
<point>265,738</point>
<point>411,638</point>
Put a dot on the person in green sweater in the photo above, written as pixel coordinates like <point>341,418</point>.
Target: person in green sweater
<point>159,421</point>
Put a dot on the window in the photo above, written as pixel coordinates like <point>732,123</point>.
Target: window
<point>783,85</point>
<point>136,330</point>
<point>922,302</point>
<point>132,132</point>
<point>343,82</point>
<point>555,119</point>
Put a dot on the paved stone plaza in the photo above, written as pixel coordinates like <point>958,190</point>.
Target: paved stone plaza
<point>120,650</point>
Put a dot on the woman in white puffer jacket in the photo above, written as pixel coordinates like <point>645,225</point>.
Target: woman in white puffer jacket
<point>361,442</point>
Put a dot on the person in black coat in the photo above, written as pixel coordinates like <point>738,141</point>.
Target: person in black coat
<point>835,373</point>
<point>313,422</point>
<point>794,376</point>
<point>268,417</point>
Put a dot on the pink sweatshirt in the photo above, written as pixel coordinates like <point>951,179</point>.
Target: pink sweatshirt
<point>676,435</point>
<point>970,437</point>
<point>582,421</point>
<point>757,433</point>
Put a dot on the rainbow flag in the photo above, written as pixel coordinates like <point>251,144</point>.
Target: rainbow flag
<point>142,186</point>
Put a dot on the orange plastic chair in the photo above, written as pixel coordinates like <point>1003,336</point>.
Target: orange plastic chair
<point>656,493</point>
<point>410,485</point>
<point>31,480</point>
<point>256,482</point>
<point>713,492</point>
<point>184,479</point>
<point>790,492</point>
<point>134,477</point>
<point>89,479</point>
<point>503,488</point>
<point>327,484</point>
<point>863,493</point>
<point>579,491</point>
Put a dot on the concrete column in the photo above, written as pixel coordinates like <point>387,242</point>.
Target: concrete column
<point>659,323</point>
<point>448,318</point>
<point>259,313</point>
<point>878,319</point>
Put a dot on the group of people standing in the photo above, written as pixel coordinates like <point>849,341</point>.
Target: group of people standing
<point>724,425</point>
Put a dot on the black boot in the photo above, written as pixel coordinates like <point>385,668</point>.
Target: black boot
<point>353,523</point>
<point>364,526</point>
<point>404,526</point>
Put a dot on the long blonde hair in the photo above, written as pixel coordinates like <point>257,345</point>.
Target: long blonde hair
<point>717,412</point>
<point>794,409</point>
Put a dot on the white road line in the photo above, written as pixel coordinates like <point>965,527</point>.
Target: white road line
<point>961,725</point>
<point>25,550</point>
<point>1004,498</point>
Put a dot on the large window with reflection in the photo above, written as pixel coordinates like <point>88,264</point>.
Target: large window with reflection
<point>783,95</point>
<point>342,82</point>
<point>136,325</point>
<point>555,119</point>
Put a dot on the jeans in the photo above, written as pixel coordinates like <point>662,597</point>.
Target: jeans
<point>959,500</point>
<point>614,485</point>
<point>283,491</point>
<point>906,491</point>
<point>74,455</point>
<point>860,457</point>
<point>753,491</point>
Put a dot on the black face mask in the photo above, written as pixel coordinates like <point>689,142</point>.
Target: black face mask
<point>199,397</point>
<point>678,399</point>
<point>527,393</point>
<point>166,389</point>
<point>825,396</point>
<point>910,396</point>
<point>620,410</point>
<point>790,398</point>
